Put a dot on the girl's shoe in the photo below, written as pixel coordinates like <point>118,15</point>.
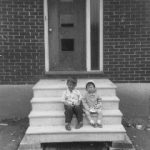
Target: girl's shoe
<point>92,123</point>
<point>68,127</point>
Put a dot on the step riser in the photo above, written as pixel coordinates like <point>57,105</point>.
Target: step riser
<point>49,106</point>
<point>58,92</point>
<point>76,137</point>
<point>47,121</point>
<point>27,146</point>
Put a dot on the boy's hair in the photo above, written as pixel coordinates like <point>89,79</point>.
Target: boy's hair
<point>90,82</point>
<point>72,80</point>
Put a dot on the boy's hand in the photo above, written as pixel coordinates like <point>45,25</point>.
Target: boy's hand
<point>67,103</point>
<point>77,103</point>
<point>96,107</point>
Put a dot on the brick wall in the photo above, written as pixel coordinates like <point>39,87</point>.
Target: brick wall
<point>21,41</point>
<point>127,40</point>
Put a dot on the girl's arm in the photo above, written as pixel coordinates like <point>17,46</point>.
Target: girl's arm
<point>85,105</point>
<point>99,103</point>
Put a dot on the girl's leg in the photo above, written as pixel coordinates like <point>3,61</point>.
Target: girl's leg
<point>88,115</point>
<point>99,118</point>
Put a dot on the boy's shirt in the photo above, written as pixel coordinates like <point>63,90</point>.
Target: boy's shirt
<point>72,98</point>
<point>92,101</point>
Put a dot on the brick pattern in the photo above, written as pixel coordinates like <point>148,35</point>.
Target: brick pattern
<point>21,41</point>
<point>127,40</point>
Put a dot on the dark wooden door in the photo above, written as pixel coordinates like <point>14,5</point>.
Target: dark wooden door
<point>67,35</point>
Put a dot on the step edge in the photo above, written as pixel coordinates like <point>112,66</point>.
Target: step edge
<point>61,113</point>
<point>61,129</point>
<point>57,99</point>
<point>64,87</point>
<point>42,81</point>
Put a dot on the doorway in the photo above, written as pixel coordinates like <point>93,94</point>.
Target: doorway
<point>66,25</point>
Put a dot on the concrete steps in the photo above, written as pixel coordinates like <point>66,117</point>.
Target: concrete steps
<point>55,118</point>
<point>47,118</point>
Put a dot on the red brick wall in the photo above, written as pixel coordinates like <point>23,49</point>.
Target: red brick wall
<point>126,41</point>
<point>21,41</point>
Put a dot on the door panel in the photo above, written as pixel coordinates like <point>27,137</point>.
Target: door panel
<point>67,35</point>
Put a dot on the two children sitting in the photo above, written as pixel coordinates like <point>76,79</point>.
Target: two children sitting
<point>74,103</point>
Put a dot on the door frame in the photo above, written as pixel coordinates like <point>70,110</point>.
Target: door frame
<point>88,37</point>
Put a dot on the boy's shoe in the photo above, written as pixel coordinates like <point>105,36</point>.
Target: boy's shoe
<point>79,125</point>
<point>68,127</point>
<point>93,125</point>
<point>99,125</point>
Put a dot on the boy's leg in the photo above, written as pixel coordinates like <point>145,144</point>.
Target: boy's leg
<point>78,112</point>
<point>68,113</point>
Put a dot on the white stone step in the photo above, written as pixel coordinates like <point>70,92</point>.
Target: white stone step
<point>55,87</point>
<point>61,83</point>
<point>43,118</point>
<point>48,134</point>
<point>54,103</point>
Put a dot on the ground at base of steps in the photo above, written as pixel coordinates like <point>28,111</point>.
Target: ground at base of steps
<point>13,130</point>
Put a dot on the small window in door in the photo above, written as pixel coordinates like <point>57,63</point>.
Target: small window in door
<point>66,20</point>
<point>67,44</point>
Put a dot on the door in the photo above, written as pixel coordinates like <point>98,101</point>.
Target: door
<point>67,35</point>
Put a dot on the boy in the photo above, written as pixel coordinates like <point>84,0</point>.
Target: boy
<point>72,104</point>
<point>92,104</point>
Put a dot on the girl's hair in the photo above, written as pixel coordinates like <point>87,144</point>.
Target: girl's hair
<point>72,80</point>
<point>89,84</point>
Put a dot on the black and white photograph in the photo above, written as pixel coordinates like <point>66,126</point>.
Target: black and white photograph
<point>74,74</point>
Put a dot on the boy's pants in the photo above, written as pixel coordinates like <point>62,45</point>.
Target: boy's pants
<point>70,110</point>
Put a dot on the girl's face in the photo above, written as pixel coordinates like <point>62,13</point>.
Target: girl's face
<point>90,88</point>
<point>71,86</point>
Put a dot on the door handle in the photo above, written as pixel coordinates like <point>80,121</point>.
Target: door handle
<point>50,30</point>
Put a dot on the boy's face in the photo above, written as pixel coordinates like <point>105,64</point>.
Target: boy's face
<point>90,88</point>
<point>71,85</point>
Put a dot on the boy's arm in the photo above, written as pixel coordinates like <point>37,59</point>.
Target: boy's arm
<point>64,98</point>
<point>80,97</point>
<point>78,102</point>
